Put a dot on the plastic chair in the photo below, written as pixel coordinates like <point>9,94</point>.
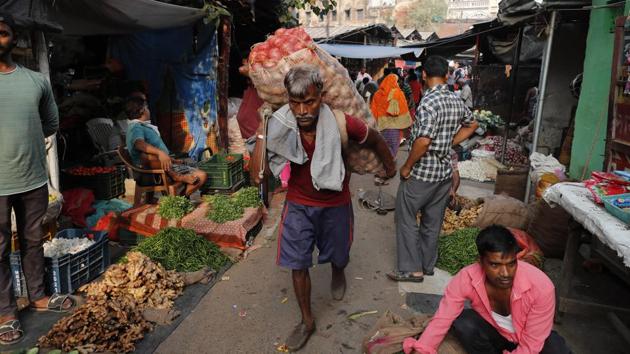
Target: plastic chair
<point>100,130</point>
<point>148,185</point>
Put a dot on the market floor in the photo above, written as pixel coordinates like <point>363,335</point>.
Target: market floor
<point>254,308</point>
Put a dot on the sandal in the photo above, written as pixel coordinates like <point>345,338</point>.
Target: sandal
<point>299,336</point>
<point>55,304</point>
<point>405,277</point>
<point>11,326</point>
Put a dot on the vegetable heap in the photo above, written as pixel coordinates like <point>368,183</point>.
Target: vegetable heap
<point>457,250</point>
<point>487,119</point>
<point>174,207</point>
<point>182,250</point>
<point>224,208</point>
<point>112,319</point>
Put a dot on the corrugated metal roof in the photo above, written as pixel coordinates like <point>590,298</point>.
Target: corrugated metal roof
<point>406,32</point>
<point>320,32</point>
<point>426,35</point>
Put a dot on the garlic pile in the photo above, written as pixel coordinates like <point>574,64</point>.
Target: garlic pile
<point>58,247</point>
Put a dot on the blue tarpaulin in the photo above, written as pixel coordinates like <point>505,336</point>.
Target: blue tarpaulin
<point>147,56</point>
<point>358,51</point>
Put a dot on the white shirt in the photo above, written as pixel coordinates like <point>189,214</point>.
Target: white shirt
<point>361,76</point>
<point>504,322</point>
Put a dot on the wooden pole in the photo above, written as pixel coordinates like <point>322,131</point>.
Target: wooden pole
<point>223,73</point>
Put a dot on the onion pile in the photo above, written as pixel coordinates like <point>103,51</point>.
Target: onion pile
<point>269,62</point>
<point>283,43</point>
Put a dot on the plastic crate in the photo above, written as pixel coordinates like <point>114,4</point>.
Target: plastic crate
<point>104,185</point>
<point>223,174</point>
<point>615,210</point>
<point>65,274</point>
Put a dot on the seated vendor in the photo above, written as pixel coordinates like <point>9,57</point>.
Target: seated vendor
<point>512,304</point>
<point>147,149</point>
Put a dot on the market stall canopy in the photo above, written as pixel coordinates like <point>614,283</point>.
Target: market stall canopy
<point>94,17</point>
<point>451,46</point>
<point>357,51</point>
<point>512,12</point>
<point>30,14</point>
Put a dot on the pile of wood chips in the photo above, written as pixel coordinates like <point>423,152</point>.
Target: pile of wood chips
<point>467,216</point>
<point>111,320</point>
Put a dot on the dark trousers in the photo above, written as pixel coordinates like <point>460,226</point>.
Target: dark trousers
<point>416,245</point>
<point>479,337</point>
<point>30,208</point>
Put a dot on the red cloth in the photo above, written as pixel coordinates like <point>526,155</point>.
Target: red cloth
<point>77,205</point>
<point>416,89</point>
<point>247,116</point>
<point>301,188</point>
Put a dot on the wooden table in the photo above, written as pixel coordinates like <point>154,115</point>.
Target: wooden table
<point>607,237</point>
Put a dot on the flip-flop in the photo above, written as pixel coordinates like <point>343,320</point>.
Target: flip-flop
<point>55,304</point>
<point>405,277</point>
<point>11,326</point>
<point>299,336</point>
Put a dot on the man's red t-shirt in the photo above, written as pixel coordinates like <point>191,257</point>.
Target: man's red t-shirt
<point>301,188</point>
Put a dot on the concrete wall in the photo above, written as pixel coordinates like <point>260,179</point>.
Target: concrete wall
<point>590,128</point>
<point>567,60</point>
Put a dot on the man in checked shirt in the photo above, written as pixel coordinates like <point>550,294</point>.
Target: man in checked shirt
<point>442,121</point>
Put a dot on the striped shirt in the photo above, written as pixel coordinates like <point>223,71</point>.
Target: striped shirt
<point>439,116</point>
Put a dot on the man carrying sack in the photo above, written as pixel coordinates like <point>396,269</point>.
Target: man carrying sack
<point>318,209</point>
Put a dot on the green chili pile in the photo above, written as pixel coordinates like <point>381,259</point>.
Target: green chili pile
<point>457,250</point>
<point>174,207</point>
<point>182,250</point>
<point>224,208</point>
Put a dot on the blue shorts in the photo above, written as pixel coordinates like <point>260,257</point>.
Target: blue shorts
<point>304,227</point>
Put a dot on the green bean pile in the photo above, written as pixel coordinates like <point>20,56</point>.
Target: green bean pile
<point>457,250</point>
<point>182,250</point>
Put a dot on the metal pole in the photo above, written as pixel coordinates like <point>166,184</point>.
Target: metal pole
<point>541,92</point>
<point>513,81</point>
<point>225,31</point>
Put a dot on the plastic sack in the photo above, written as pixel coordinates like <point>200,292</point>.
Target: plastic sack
<point>530,252</point>
<point>542,164</point>
<point>271,60</point>
<point>389,332</point>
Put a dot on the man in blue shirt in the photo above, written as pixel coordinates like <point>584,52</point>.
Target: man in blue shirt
<point>147,149</point>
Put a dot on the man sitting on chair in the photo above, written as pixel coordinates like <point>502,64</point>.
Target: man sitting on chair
<point>147,149</point>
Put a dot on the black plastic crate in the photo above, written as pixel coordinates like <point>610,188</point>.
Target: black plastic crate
<point>66,274</point>
<point>104,185</point>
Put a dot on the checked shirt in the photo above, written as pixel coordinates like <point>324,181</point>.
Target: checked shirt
<point>439,116</point>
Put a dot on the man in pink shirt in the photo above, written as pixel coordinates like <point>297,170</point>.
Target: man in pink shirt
<point>512,305</point>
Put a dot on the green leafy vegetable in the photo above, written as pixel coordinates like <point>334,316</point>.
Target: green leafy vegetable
<point>457,250</point>
<point>224,208</point>
<point>182,250</point>
<point>174,207</point>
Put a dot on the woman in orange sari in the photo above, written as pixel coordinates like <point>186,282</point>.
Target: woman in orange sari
<point>389,108</point>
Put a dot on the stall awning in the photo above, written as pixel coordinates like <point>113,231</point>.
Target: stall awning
<point>357,51</point>
<point>91,17</point>
<point>451,46</point>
